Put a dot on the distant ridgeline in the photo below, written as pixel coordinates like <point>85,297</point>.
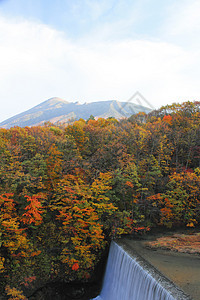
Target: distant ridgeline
<point>56,110</point>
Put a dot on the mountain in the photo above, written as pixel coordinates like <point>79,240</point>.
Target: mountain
<point>57,110</point>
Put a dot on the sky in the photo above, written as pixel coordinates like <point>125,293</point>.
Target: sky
<point>97,50</point>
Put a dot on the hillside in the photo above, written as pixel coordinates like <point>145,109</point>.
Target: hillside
<point>67,191</point>
<point>57,110</point>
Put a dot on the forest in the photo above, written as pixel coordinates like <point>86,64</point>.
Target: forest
<point>67,191</point>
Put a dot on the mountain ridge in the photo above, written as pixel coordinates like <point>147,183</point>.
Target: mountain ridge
<point>56,110</point>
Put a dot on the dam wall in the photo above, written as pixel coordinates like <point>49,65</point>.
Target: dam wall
<point>130,277</point>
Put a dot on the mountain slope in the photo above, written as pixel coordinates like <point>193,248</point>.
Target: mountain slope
<point>58,110</point>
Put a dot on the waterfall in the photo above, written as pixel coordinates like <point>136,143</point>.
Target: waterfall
<point>131,278</point>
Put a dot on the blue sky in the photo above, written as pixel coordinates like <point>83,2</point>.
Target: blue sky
<point>77,17</point>
<point>92,50</point>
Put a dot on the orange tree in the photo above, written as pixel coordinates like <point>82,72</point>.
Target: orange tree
<point>180,203</point>
<point>18,251</point>
<point>83,215</point>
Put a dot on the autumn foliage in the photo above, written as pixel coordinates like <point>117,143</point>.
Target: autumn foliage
<point>66,191</point>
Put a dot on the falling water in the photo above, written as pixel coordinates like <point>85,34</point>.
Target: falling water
<point>126,279</point>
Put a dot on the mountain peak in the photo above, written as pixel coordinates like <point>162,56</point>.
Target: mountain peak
<point>53,101</point>
<point>57,110</point>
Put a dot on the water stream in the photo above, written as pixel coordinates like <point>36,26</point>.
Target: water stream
<point>128,277</point>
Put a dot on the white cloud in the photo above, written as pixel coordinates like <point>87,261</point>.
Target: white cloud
<point>182,24</point>
<point>184,17</point>
<point>38,62</point>
<point>98,8</point>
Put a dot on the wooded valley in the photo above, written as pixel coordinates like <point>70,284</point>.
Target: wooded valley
<point>66,191</point>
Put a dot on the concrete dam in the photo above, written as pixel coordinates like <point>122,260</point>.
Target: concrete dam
<point>130,277</point>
